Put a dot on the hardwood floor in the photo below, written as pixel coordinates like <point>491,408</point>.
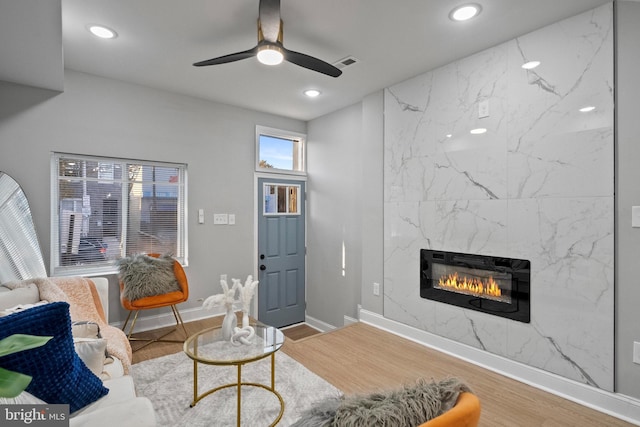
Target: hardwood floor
<point>300,332</point>
<point>361,359</point>
<point>293,333</point>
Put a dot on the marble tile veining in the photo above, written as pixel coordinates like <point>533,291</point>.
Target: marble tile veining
<point>538,184</point>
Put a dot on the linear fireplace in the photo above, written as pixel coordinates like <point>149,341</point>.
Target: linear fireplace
<point>493,285</point>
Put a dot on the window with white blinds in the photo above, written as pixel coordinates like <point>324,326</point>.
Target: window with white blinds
<point>105,208</point>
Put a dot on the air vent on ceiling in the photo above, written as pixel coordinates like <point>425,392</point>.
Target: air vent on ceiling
<point>346,62</point>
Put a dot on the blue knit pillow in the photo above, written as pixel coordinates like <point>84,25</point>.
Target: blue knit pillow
<point>59,376</point>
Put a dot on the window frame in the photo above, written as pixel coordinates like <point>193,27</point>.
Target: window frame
<point>288,212</point>
<point>282,134</point>
<point>110,267</point>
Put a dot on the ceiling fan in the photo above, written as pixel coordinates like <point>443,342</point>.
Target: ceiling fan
<point>270,49</point>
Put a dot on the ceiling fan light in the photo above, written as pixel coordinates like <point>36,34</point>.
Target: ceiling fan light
<point>270,55</point>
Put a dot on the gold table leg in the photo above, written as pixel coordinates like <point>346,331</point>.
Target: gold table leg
<point>238,385</point>
<point>195,384</point>
<point>239,391</point>
<point>273,371</point>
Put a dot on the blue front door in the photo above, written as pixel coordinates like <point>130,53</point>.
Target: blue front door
<point>281,251</point>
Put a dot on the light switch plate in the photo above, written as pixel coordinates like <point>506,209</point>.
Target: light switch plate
<point>200,216</point>
<point>220,219</point>
<point>232,219</point>
<point>636,352</point>
<point>635,216</point>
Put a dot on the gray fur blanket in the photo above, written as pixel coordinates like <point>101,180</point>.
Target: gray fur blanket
<point>408,406</point>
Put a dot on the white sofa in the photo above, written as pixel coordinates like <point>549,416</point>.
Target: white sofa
<point>120,407</point>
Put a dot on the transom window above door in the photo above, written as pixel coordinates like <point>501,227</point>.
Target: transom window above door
<point>279,151</point>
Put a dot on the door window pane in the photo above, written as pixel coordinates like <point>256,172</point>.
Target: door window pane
<point>281,199</point>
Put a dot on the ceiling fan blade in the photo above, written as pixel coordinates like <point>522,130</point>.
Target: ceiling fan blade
<point>238,56</point>
<point>311,63</point>
<point>269,16</point>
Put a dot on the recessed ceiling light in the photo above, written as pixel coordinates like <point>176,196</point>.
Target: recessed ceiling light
<point>478,131</point>
<point>312,93</point>
<point>448,135</point>
<point>102,31</point>
<point>465,12</point>
<point>587,109</point>
<point>530,65</point>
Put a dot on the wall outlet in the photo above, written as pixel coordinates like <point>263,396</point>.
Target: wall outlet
<point>376,289</point>
<point>483,109</point>
<point>223,277</point>
<point>636,352</point>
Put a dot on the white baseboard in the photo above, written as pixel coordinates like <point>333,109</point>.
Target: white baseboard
<point>319,324</point>
<point>349,320</point>
<point>617,405</point>
<point>147,323</point>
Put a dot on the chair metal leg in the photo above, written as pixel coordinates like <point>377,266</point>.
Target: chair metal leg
<point>126,321</point>
<point>179,322</point>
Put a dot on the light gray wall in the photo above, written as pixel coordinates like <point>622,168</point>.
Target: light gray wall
<point>104,117</point>
<point>627,195</point>
<point>334,158</point>
<point>372,200</point>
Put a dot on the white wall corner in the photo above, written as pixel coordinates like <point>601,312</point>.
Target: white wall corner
<point>319,324</point>
<point>348,320</point>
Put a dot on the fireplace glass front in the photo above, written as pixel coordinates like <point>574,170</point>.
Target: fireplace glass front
<point>494,285</point>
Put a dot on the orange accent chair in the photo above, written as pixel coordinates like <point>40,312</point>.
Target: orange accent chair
<point>170,299</point>
<point>465,413</point>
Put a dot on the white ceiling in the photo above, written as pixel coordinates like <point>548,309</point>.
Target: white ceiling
<point>31,43</point>
<point>159,40</point>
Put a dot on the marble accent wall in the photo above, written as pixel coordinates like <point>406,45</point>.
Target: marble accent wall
<point>537,185</point>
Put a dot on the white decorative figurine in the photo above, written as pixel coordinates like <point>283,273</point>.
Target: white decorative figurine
<point>245,334</point>
<point>230,331</point>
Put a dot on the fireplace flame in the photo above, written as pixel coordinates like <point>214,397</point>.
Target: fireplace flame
<point>476,286</point>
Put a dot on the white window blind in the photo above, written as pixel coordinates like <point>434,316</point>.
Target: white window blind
<point>104,209</point>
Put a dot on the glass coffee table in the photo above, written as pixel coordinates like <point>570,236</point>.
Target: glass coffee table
<point>209,348</point>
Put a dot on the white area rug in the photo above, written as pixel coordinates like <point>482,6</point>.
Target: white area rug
<point>168,382</point>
